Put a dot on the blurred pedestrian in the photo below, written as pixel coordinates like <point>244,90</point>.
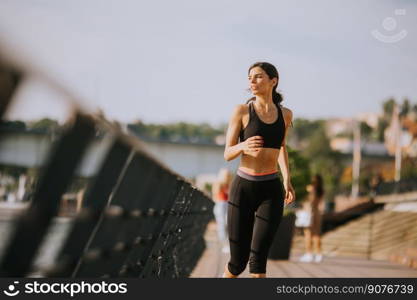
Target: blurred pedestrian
<point>220,196</point>
<point>374,184</point>
<point>312,233</point>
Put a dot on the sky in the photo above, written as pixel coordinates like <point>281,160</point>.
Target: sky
<point>184,60</point>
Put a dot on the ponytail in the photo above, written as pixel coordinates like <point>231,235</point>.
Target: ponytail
<point>276,97</point>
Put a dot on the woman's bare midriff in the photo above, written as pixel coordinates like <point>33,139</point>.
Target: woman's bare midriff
<point>264,161</point>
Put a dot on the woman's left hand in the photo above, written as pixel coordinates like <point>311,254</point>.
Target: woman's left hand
<point>289,193</point>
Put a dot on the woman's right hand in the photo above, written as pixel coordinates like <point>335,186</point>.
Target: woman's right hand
<point>252,144</point>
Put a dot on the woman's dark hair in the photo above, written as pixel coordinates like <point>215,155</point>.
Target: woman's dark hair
<point>317,183</point>
<point>272,72</point>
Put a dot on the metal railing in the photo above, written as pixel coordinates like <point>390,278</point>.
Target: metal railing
<point>138,218</point>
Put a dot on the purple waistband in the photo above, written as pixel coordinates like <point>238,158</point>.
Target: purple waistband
<point>247,176</point>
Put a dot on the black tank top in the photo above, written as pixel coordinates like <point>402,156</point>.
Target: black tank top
<point>273,134</point>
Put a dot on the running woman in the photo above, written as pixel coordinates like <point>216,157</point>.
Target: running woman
<point>257,133</point>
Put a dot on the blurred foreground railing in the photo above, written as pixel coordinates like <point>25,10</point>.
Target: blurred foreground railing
<point>138,219</point>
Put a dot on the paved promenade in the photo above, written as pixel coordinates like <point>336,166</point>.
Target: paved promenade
<point>213,261</point>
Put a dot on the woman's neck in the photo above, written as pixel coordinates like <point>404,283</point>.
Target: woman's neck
<point>264,102</point>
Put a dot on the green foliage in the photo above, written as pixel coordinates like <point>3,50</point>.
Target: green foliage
<point>304,128</point>
<point>366,130</point>
<point>177,132</point>
<point>414,108</point>
<point>208,187</point>
<point>12,170</point>
<point>388,107</point>
<point>323,160</point>
<point>382,125</point>
<point>13,125</point>
<point>318,144</point>
<point>385,119</point>
<point>44,124</point>
<point>330,168</point>
<point>409,168</point>
<point>300,173</point>
<point>405,107</point>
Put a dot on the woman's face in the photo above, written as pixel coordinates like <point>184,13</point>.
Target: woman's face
<point>259,82</point>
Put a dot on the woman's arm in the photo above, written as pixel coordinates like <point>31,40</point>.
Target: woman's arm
<point>283,163</point>
<point>233,149</point>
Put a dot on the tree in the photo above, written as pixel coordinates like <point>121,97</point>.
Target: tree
<point>182,131</point>
<point>388,107</point>
<point>405,108</point>
<point>409,169</point>
<point>13,125</point>
<point>12,170</point>
<point>318,144</point>
<point>44,124</point>
<point>300,172</point>
<point>324,161</point>
<point>303,128</point>
<point>366,130</point>
<point>414,108</point>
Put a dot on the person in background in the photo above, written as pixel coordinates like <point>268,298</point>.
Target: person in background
<point>374,184</point>
<point>312,234</point>
<point>220,197</point>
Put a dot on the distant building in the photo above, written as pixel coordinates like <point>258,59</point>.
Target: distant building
<point>345,145</point>
<point>338,126</point>
<point>369,118</point>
